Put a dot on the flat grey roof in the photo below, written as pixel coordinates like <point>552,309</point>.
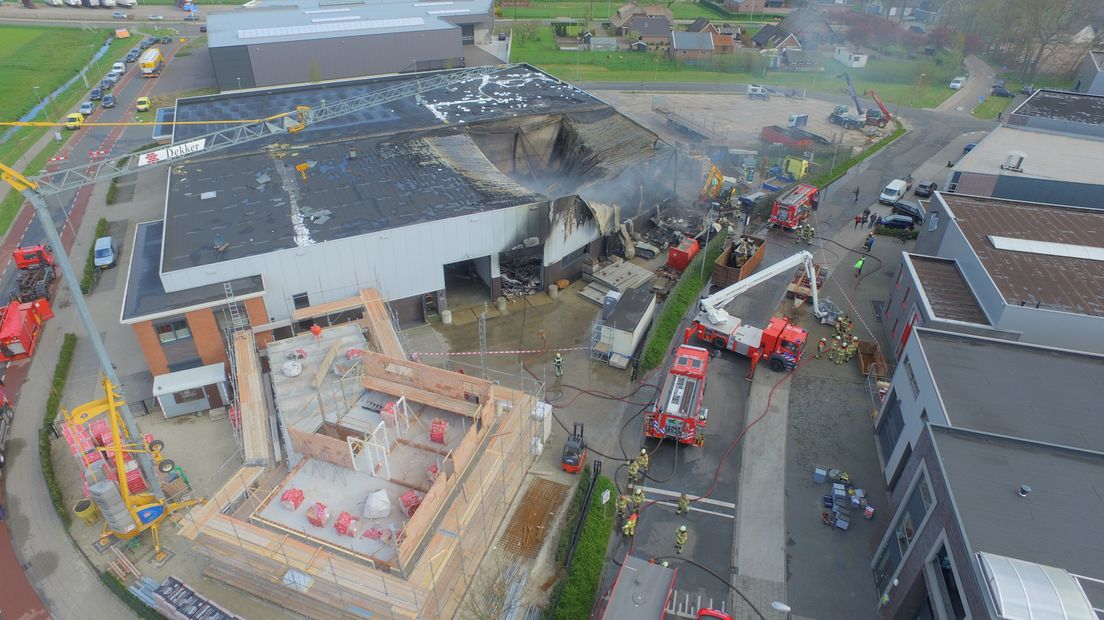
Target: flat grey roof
<point>297,20</point>
<point>146,297</point>
<point>1064,105</point>
<point>1016,389</point>
<point>948,293</point>
<point>1057,524</point>
<point>1062,283</point>
<point>413,163</point>
<point>1050,156</point>
<point>639,591</point>
<point>630,308</point>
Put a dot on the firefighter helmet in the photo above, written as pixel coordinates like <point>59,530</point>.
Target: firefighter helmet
<point>682,528</point>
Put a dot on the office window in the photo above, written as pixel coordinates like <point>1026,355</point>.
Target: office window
<point>300,301</point>
<point>912,377</point>
<point>893,422</point>
<point>173,331</point>
<point>933,222</point>
<point>903,533</point>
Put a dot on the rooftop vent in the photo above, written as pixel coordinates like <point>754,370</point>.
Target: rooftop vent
<point>1014,161</point>
<point>1024,490</point>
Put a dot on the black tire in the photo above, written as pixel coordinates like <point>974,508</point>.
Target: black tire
<point>165,466</point>
<point>720,343</point>
<point>776,365</point>
<point>157,445</point>
<point>881,124</point>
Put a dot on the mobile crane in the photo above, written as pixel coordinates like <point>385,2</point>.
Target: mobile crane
<point>880,117</point>
<point>36,189</point>
<point>780,343</point>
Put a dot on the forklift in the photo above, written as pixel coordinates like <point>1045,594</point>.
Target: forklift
<point>574,452</point>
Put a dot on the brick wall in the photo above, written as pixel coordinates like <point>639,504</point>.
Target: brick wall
<point>258,315</point>
<point>205,333</point>
<point>151,348</point>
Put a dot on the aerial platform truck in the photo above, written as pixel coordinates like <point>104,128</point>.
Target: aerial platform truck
<point>780,343</point>
<point>34,272</point>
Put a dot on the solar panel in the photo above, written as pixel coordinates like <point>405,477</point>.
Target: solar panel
<point>375,24</point>
<point>449,12</point>
<point>343,18</point>
<point>1047,248</point>
<point>339,2</point>
<point>433,3</point>
<point>318,11</point>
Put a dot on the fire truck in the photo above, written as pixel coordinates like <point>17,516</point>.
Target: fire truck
<point>792,208</point>
<point>35,272</point>
<point>780,343</point>
<point>677,412</point>
<point>20,326</point>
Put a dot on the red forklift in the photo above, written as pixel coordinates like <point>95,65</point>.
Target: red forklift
<point>575,451</point>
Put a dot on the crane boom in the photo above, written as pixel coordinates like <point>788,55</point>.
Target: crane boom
<point>854,95</point>
<point>713,307</point>
<point>36,188</point>
<point>292,121</point>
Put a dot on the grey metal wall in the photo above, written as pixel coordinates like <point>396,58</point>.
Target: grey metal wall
<point>328,59</point>
<point>230,64</point>
<point>912,403</point>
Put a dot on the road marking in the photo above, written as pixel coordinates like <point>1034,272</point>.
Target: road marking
<point>703,500</point>
<point>708,512</point>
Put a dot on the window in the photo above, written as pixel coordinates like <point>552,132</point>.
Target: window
<point>912,377</point>
<point>893,332</point>
<point>189,395</point>
<point>900,272</point>
<point>903,532</point>
<point>933,222</point>
<point>904,300</point>
<point>892,425</point>
<point>300,301</point>
<point>575,256</point>
<point>173,331</point>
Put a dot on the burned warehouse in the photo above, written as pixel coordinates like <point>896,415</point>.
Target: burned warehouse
<point>499,185</point>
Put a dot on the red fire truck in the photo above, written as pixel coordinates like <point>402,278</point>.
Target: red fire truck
<point>678,413</point>
<point>780,343</point>
<point>20,326</point>
<point>792,208</point>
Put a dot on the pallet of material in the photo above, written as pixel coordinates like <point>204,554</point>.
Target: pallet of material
<point>622,276</point>
<point>177,600</point>
<point>594,293</point>
<point>798,287</point>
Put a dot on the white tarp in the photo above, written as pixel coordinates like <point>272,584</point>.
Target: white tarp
<point>377,506</point>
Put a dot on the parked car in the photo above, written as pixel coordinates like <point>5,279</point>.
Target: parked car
<point>96,94</point>
<point>1027,89</point>
<point>142,104</point>
<point>969,147</point>
<point>898,221</point>
<point>114,76</point>
<point>109,101</point>
<point>87,107</point>
<point>119,66</point>
<point>106,253</point>
<point>74,120</point>
<point>909,209</point>
<point>156,18</point>
<point>105,85</point>
<point>145,44</point>
<point>958,83</point>
<point>893,192</point>
<point>925,189</point>
<point>118,16</point>
<point>132,56</point>
<point>502,36</point>
<point>166,40</point>
<point>1000,91</point>
<point>203,28</point>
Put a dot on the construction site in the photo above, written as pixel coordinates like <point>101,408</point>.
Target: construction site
<point>398,474</point>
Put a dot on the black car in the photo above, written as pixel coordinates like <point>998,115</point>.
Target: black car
<point>909,209</point>
<point>203,28</point>
<point>109,101</point>
<point>131,56</point>
<point>166,40</point>
<point>897,221</point>
<point>969,147</point>
<point>96,94</point>
<point>106,84</point>
<point>925,190</point>
<point>1000,91</point>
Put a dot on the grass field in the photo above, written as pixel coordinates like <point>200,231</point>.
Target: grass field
<point>44,57</point>
<point>897,82</point>
<point>13,151</point>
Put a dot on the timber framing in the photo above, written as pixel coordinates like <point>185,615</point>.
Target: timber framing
<point>459,444</point>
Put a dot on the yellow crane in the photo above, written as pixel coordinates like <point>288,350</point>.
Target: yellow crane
<point>146,509</point>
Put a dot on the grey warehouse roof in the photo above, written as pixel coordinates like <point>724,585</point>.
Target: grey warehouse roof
<point>145,297</point>
<point>1064,105</point>
<point>280,21</point>
<point>1058,523</point>
<point>1017,390</point>
<point>947,291</point>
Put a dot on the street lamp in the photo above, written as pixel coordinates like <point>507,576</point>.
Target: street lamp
<point>781,607</point>
<point>239,83</point>
<point>916,91</point>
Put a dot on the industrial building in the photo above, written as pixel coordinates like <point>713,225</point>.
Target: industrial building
<point>1002,269</point>
<point>1049,149</point>
<point>498,186</point>
<point>994,462</point>
<point>300,41</point>
<point>371,486</point>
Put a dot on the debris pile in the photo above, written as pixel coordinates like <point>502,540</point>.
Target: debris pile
<point>521,274</point>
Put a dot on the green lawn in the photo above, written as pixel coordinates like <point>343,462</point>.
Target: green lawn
<point>897,82</point>
<point>40,56</point>
<point>12,152</point>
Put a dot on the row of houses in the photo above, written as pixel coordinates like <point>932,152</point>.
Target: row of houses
<point>988,430</point>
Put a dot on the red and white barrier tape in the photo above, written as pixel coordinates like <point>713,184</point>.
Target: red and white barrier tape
<point>519,351</point>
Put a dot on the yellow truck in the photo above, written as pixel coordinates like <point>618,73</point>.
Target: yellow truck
<point>151,62</point>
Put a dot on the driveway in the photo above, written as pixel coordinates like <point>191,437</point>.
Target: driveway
<point>980,81</point>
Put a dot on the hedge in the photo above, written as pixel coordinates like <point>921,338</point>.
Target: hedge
<point>685,293</point>
<point>580,588</point>
<point>828,177</point>
<point>135,604</point>
<point>53,405</point>
<point>112,192</point>
<point>90,266</point>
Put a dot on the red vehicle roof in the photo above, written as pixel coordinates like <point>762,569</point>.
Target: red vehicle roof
<point>798,195</point>
<point>690,361</point>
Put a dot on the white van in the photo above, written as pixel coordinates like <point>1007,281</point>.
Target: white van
<point>118,67</point>
<point>893,192</point>
<point>106,253</point>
